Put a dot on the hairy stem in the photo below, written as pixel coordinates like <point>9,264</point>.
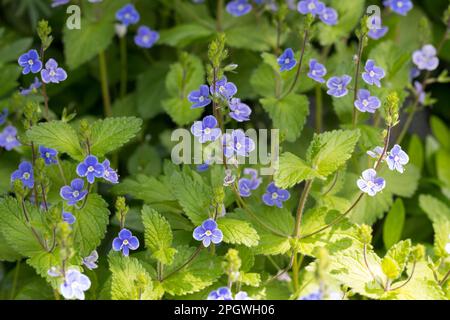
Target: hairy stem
<point>104,83</point>
<point>445,278</point>
<point>301,207</point>
<point>358,66</point>
<point>186,263</point>
<point>123,67</point>
<point>368,268</point>
<point>409,278</point>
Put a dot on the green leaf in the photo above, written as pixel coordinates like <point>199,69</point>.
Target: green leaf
<point>393,225</point>
<point>180,110</point>
<point>151,91</point>
<point>130,280</point>
<point>202,272</point>
<point>43,261</point>
<point>291,171</point>
<point>244,36</point>
<point>443,170</point>
<point>158,235</point>
<point>330,150</point>
<point>16,230</point>
<point>401,184</point>
<point>416,152</point>
<point>184,34</point>
<point>112,133</point>
<point>288,114</point>
<point>238,232</point>
<point>397,255</point>
<point>390,268</point>
<point>91,223</point>
<point>57,135</point>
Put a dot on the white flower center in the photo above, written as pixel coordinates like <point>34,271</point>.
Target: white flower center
<point>125,242</point>
<point>371,73</point>
<point>237,112</point>
<point>106,173</point>
<point>396,158</point>
<point>208,233</point>
<point>146,38</point>
<point>287,60</point>
<point>370,184</point>
<point>30,62</point>
<point>238,145</point>
<point>365,103</point>
<point>10,139</point>
<point>311,6</point>
<point>399,4</point>
<point>240,7</point>
<point>127,16</point>
<point>339,87</point>
<point>90,169</point>
<point>52,73</point>
<point>75,193</point>
<point>274,195</point>
<point>207,131</point>
<point>26,176</point>
<point>47,155</point>
<point>221,89</point>
<point>201,99</point>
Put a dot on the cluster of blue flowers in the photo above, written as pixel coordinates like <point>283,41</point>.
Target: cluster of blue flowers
<point>224,293</point>
<point>317,8</point>
<point>31,63</point>
<point>145,37</point>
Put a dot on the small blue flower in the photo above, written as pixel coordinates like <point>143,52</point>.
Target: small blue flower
<point>3,116</point>
<point>420,92</point>
<point>287,60</point>
<point>242,295</point>
<point>314,7</point>
<point>376,152</point>
<point>239,111</point>
<point>49,155</point>
<point>313,296</point>
<point>125,241</point>
<point>202,167</point>
<point>275,196</point>
<point>425,58</point>
<point>57,3</point>
<point>128,15</point>
<point>316,71</point>
<point>109,174</point>
<point>397,158</point>
<point>32,88</point>
<point>68,217</point>
<point>365,102</point>
<point>74,285</point>
<point>74,192</point>
<point>223,293</point>
<point>224,88</point>
<point>52,73</point>
<point>401,7</point>
<point>246,185</point>
<point>200,98</point>
<point>237,143</point>
<point>206,130</point>
<point>91,260</point>
<point>373,74</point>
<point>338,86</point>
<point>376,30</point>
<point>208,232</point>
<point>8,138</point>
<point>329,16</point>
<point>30,62</point>
<point>238,8</point>
<point>369,182</point>
<point>91,169</point>
<point>146,37</point>
<point>24,174</point>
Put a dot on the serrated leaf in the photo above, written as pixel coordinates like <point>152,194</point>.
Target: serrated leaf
<point>393,225</point>
<point>394,262</point>
<point>416,152</point>
<point>238,232</point>
<point>57,135</point>
<point>292,170</point>
<point>158,235</point>
<point>330,150</point>
<point>184,34</point>
<point>112,133</point>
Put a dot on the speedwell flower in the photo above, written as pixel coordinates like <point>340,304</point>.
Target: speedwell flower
<point>237,143</point>
<point>30,62</point>
<point>223,293</point>
<point>3,116</point>
<point>239,111</point>
<point>287,60</point>
<point>397,158</point>
<point>91,169</point>
<point>376,30</point>
<point>365,102</point>
<point>68,217</point>
<point>109,174</point>
<point>370,183</point>
<point>376,152</point>
<point>206,130</point>
<point>48,154</point>
<point>128,15</point>
<point>91,260</point>
<point>146,37</point>
<point>73,193</point>
<point>200,98</point>
<point>338,86</point>
<point>275,196</point>
<point>125,241</point>
<point>316,71</point>
<point>208,232</point>
<point>238,8</point>
<point>246,185</point>
<point>399,6</point>
<point>74,285</point>
<point>32,88</point>
<point>52,73</point>
<point>25,174</point>
<point>314,7</point>
<point>329,16</point>
<point>224,88</point>
<point>8,138</point>
<point>373,74</point>
<point>425,58</point>
<point>57,3</point>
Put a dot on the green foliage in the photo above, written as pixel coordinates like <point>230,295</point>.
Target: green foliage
<point>292,170</point>
<point>238,232</point>
<point>393,225</point>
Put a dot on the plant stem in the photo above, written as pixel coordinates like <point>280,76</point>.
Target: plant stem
<point>445,278</point>
<point>295,268</point>
<point>27,218</point>
<point>104,83</point>
<point>368,267</point>
<point>15,278</point>
<point>219,16</point>
<point>319,109</point>
<point>301,207</point>
<point>123,66</point>
<point>410,277</point>
<point>187,262</point>
<point>358,66</point>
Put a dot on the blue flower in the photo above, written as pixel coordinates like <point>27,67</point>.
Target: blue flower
<point>223,293</point>
<point>425,58</point>
<point>91,169</point>
<point>125,241</point>
<point>8,138</point>
<point>3,116</point>
<point>329,16</point>
<point>224,88</point>
<point>316,71</point>
<point>52,73</point>
<point>90,260</point>
<point>109,174</point>
<point>32,88</point>
<point>57,3</point>
<point>49,155</point>
<point>146,37</point>
<point>275,196</point>
<point>24,174</point>
<point>68,217</point>
<point>239,111</point>
<point>369,182</point>
<point>74,285</point>
<point>376,31</point>
<point>287,60</point>
<point>338,86</point>
<point>74,192</point>
<point>200,98</point>
<point>128,15</point>
<point>399,6</point>
<point>365,102</point>
<point>246,185</point>
<point>376,152</point>
<point>208,232</point>
<point>420,92</point>
<point>238,8</point>
<point>237,143</point>
<point>397,158</point>
<point>202,167</point>
<point>313,296</point>
<point>242,295</point>
<point>314,7</point>
<point>206,130</point>
<point>373,74</point>
<point>30,62</point>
